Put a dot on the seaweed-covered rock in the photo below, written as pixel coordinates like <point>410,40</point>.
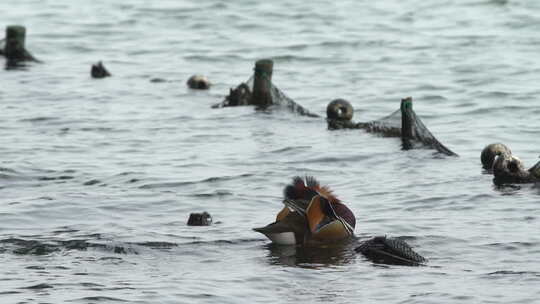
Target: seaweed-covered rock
<point>393,251</point>
<point>200,219</point>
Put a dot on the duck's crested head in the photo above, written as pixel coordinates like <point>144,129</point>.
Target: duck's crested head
<point>306,188</point>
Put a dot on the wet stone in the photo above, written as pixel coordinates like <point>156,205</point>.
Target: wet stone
<point>199,219</point>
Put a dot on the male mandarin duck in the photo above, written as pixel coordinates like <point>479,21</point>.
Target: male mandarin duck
<point>312,215</point>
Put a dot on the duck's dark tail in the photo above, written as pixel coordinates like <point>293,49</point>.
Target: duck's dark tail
<point>392,251</point>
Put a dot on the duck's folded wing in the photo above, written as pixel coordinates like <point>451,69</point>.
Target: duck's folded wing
<point>298,205</point>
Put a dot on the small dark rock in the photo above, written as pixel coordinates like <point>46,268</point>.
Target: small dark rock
<point>99,71</point>
<point>200,219</point>
<point>198,82</point>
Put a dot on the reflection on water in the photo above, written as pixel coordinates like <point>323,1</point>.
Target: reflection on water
<point>312,257</point>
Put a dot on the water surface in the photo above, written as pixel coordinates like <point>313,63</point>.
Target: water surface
<point>98,177</point>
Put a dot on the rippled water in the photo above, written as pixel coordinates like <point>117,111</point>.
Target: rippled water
<point>98,177</point>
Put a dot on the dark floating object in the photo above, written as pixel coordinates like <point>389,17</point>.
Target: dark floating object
<point>490,152</point>
<point>14,47</point>
<point>200,219</point>
<point>239,96</point>
<point>402,123</point>
<point>198,82</point>
<point>392,251</point>
<point>339,114</point>
<point>158,80</point>
<point>509,169</point>
<point>262,84</point>
<point>339,109</point>
<point>497,158</point>
<point>99,71</point>
<point>260,92</point>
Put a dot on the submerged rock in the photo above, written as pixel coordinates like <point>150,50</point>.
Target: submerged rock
<point>392,251</point>
<point>200,219</point>
<point>99,71</point>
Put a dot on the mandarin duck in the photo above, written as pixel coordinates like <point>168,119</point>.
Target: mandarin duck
<point>312,215</point>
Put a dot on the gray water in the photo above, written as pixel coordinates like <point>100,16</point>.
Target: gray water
<point>98,177</point>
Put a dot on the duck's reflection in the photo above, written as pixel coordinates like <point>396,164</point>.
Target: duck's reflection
<point>311,257</point>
